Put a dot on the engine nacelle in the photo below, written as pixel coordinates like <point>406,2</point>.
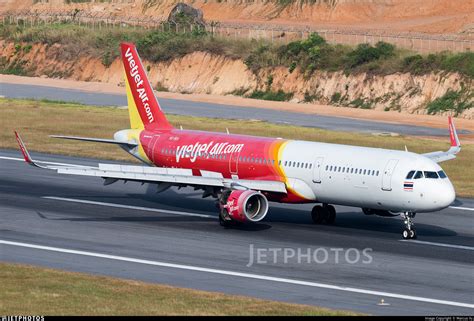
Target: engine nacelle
<point>244,205</point>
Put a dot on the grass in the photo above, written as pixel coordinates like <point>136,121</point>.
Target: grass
<point>35,120</point>
<point>28,290</point>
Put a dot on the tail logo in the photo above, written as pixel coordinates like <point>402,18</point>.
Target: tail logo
<point>139,84</point>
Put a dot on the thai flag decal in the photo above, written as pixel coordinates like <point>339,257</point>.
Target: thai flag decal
<point>408,186</point>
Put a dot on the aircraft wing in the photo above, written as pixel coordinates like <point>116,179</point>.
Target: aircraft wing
<point>455,148</point>
<point>147,174</point>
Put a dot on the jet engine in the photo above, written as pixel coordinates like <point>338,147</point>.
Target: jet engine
<point>243,205</point>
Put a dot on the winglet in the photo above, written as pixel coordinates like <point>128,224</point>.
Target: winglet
<point>24,151</point>
<point>453,134</point>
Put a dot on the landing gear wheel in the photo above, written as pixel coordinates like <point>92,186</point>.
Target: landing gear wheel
<point>319,214</point>
<point>331,217</point>
<point>406,234</point>
<point>413,234</point>
<point>222,218</point>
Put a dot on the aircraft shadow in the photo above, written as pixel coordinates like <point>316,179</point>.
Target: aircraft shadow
<point>190,201</point>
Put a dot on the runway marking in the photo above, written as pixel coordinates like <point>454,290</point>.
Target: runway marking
<point>240,274</point>
<point>454,246</point>
<point>43,162</point>
<point>131,207</point>
<point>462,208</point>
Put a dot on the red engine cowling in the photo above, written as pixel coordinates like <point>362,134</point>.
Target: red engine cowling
<point>245,205</point>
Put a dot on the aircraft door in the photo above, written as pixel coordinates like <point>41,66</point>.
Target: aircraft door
<point>234,163</point>
<point>152,147</point>
<point>317,168</point>
<point>387,174</point>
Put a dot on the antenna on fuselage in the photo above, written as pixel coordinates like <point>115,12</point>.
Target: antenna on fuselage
<point>181,127</point>
<point>227,130</point>
<point>406,149</point>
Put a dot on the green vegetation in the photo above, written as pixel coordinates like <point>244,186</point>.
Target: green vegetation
<point>35,119</point>
<point>279,95</point>
<point>153,45</point>
<point>314,53</point>
<point>336,97</point>
<point>308,55</point>
<point>461,62</point>
<point>456,101</point>
<point>29,290</point>
<point>13,68</point>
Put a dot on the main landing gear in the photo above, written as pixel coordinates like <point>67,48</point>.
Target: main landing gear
<point>325,214</point>
<point>409,232</point>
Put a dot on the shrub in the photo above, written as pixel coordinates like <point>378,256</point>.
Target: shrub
<point>336,97</point>
<point>279,95</point>
<point>456,101</point>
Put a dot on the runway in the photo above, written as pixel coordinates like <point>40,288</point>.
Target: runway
<point>128,231</point>
<point>191,108</point>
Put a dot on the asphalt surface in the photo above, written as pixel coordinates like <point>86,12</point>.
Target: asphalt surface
<point>179,246</point>
<point>191,108</point>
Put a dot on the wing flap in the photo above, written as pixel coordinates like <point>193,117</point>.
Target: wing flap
<point>169,175</point>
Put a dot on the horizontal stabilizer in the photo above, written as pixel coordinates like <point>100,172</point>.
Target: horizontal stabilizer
<point>96,140</point>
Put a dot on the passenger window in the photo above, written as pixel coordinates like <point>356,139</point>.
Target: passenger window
<point>377,173</point>
<point>418,175</point>
<point>364,171</point>
<point>442,174</point>
<point>432,175</point>
<point>410,175</point>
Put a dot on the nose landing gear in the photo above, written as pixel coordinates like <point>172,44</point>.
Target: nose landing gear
<point>409,232</point>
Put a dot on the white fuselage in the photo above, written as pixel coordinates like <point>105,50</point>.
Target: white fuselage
<point>365,177</point>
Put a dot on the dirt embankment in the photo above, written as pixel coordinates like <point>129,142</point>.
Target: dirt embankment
<point>433,16</point>
<point>204,73</point>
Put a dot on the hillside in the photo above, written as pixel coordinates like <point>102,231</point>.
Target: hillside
<point>378,77</point>
<point>434,16</point>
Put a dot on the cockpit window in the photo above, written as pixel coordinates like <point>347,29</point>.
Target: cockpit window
<point>431,175</point>
<point>410,175</point>
<point>442,174</point>
<point>418,175</point>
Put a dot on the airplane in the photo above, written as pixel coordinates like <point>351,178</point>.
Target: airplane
<point>244,173</point>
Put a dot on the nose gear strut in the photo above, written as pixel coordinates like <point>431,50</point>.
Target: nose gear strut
<point>409,232</point>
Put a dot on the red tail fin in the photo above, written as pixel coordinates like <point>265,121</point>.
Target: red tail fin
<point>139,88</point>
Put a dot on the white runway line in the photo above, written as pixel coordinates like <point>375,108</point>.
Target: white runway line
<point>42,162</point>
<point>131,207</point>
<point>462,208</point>
<point>454,246</point>
<point>240,274</point>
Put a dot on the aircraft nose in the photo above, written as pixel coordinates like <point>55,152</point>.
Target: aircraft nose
<point>447,195</point>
